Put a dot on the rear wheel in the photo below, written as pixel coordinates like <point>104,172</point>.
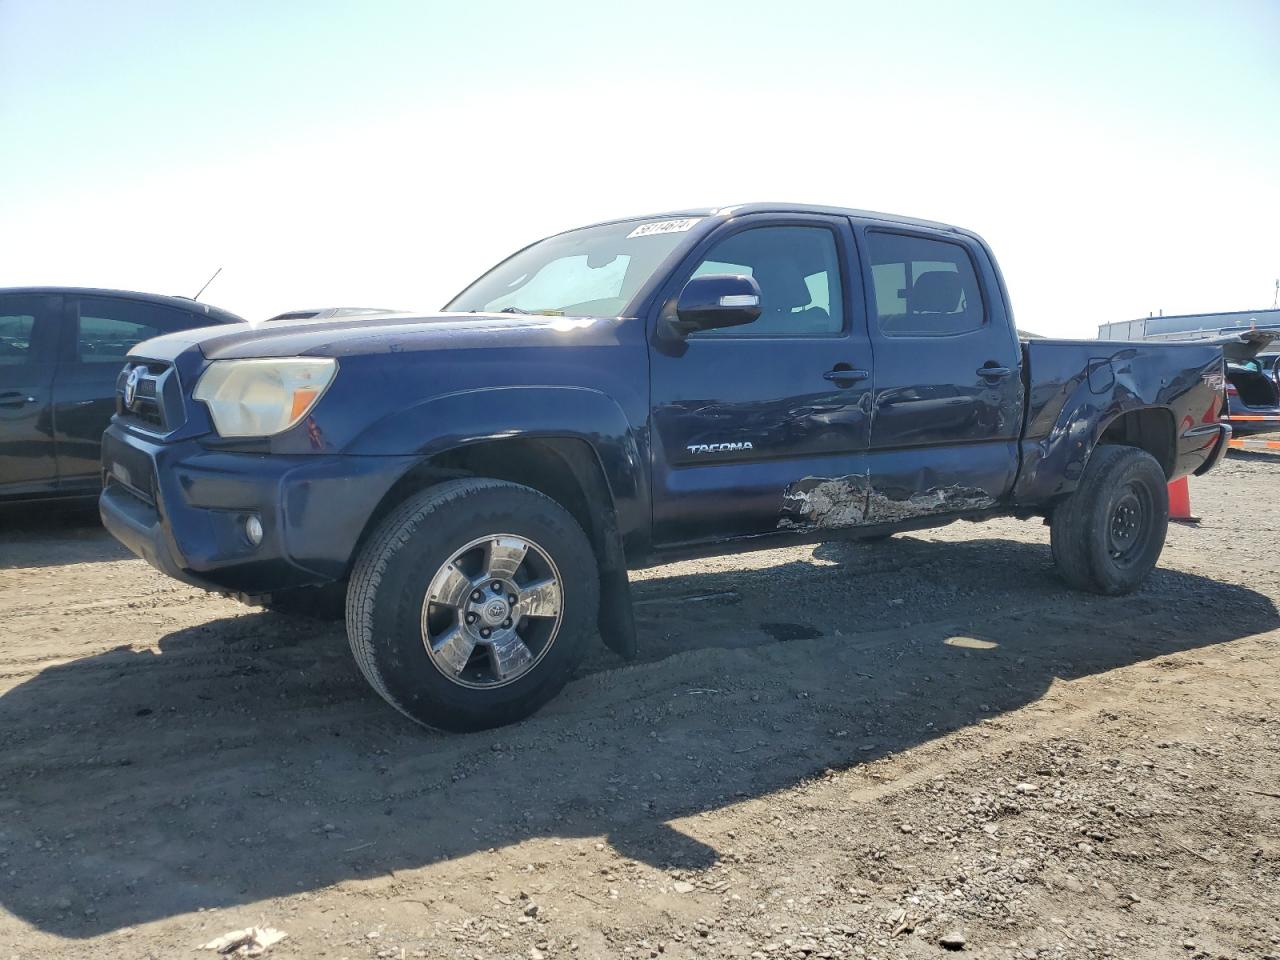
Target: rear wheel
<point>472,603</point>
<point>1108,534</point>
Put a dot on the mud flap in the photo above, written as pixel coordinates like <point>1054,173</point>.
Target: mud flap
<point>616,619</point>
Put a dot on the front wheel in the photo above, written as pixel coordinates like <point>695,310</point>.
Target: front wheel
<point>1108,534</point>
<point>471,604</point>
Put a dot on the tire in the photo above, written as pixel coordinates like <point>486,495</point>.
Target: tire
<point>440,544</point>
<point>319,603</point>
<point>1108,534</point>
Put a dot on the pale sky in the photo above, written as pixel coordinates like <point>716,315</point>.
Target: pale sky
<point>1121,158</point>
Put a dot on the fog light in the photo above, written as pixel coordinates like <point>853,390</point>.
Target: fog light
<point>253,529</point>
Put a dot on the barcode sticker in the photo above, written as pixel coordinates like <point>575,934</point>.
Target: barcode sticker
<point>663,226</point>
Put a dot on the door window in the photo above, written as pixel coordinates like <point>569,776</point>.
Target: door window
<point>17,332</point>
<point>108,329</point>
<point>923,288</point>
<point>27,328</point>
<point>798,270</point>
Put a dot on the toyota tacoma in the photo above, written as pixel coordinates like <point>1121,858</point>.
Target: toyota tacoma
<point>475,484</point>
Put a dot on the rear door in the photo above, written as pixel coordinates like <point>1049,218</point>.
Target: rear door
<point>948,394</point>
<point>742,417</point>
<point>100,332</point>
<point>28,335</point>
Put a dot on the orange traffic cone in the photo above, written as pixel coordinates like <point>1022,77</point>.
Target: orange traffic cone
<point>1180,501</point>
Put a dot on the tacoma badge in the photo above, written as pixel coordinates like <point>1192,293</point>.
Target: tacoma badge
<point>719,447</point>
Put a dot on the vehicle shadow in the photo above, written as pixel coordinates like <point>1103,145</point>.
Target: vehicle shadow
<point>247,759</point>
<point>50,534</point>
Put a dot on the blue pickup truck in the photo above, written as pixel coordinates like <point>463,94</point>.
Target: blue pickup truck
<point>475,484</point>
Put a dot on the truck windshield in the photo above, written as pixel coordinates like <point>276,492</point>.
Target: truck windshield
<point>592,272</point>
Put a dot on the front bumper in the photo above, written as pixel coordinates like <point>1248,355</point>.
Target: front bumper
<point>182,508</point>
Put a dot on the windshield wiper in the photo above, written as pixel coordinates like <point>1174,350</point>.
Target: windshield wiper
<point>527,313</point>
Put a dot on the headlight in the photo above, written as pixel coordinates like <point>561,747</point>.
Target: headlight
<point>261,397</point>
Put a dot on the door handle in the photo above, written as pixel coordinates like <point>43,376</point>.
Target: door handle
<point>996,373</point>
<point>15,399</point>
<point>845,375</point>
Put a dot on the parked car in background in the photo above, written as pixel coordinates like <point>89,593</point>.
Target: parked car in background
<point>1253,391</point>
<point>61,351</point>
<point>329,313</point>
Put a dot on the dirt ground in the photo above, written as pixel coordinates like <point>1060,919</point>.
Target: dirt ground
<point>849,751</point>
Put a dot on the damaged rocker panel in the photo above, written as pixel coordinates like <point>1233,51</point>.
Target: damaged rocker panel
<point>851,501</point>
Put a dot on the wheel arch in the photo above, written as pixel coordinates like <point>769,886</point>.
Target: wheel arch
<point>1149,428</point>
<point>1053,464</point>
<point>566,468</point>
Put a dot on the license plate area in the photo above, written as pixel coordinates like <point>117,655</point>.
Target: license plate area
<point>131,469</point>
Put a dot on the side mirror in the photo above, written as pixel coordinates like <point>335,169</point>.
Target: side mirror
<point>716,300</point>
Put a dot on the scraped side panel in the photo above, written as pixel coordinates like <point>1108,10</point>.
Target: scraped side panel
<point>831,502</point>
<point>836,503</point>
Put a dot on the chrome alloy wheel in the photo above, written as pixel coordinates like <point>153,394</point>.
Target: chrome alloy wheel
<point>492,611</point>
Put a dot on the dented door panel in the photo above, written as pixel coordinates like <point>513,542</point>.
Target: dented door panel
<point>719,502</point>
<point>741,419</point>
<point>739,414</point>
<point>931,394</point>
<point>898,486</point>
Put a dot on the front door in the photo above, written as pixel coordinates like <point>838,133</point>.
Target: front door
<point>948,376</point>
<point>748,420</point>
<point>28,334</point>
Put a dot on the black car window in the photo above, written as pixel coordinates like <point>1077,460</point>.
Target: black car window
<point>799,275</point>
<point>27,329</point>
<point>108,329</point>
<point>923,287</point>
<point>17,331</point>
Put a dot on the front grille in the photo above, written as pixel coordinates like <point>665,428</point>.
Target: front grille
<point>156,404</point>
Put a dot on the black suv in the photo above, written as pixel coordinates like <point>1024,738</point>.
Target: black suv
<point>61,350</point>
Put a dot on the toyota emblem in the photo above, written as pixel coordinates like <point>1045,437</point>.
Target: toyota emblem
<point>131,386</point>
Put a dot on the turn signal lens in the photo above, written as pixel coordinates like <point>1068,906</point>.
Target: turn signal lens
<point>303,399</point>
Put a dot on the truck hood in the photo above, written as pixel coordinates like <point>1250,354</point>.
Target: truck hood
<point>389,333</point>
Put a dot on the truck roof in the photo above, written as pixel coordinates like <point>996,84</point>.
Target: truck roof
<point>741,208</point>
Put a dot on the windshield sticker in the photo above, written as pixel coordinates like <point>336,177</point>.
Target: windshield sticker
<point>663,226</point>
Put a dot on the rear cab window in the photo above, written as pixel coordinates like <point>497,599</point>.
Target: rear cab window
<point>923,287</point>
